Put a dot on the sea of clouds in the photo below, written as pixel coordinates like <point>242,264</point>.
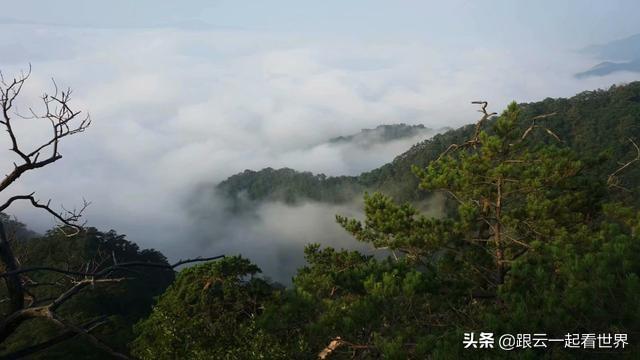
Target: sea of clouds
<point>176,110</point>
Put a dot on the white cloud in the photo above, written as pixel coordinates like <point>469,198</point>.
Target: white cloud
<point>173,109</point>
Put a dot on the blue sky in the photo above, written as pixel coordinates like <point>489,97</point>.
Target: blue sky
<point>184,94</point>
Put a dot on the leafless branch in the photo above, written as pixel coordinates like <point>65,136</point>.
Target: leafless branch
<point>89,337</point>
<point>613,180</point>
<point>64,122</point>
<point>535,126</point>
<point>57,112</point>
<point>66,217</point>
<point>475,138</point>
<point>110,269</point>
<point>329,349</point>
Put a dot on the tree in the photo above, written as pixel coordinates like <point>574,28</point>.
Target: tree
<point>532,239</point>
<point>502,187</point>
<point>24,304</point>
<point>209,313</point>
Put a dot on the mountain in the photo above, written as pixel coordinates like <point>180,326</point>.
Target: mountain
<point>382,134</point>
<point>608,67</point>
<point>623,49</point>
<point>290,186</point>
<point>598,122</point>
<point>619,55</point>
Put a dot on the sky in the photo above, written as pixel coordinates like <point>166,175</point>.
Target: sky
<point>185,94</point>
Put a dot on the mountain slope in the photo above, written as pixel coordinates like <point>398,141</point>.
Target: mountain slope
<point>382,134</point>
<point>608,67</point>
<point>596,122</point>
<point>617,50</point>
<point>617,55</point>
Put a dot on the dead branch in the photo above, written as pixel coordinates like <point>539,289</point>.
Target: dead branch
<point>66,217</point>
<point>110,269</point>
<point>613,180</point>
<point>57,112</point>
<point>486,115</point>
<point>475,138</point>
<point>64,122</point>
<point>536,126</point>
<point>15,288</point>
<point>336,343</point>
<point>333,345</point>
<point>89,337</point>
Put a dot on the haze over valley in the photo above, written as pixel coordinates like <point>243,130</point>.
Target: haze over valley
<point>182,102</point>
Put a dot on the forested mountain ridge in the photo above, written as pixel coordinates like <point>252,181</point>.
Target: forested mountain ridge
<point>598,122</point>
<point>291,186</point>
<point>288,185</point>
<point>382,133</point>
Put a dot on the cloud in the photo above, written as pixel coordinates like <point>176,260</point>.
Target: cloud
<point>350,157</point>
<point>273,235</point>
<point>176,109</point>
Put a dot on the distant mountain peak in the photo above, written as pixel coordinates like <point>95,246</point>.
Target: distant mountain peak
<point>609,67</point>
<point>382,134</point>
<point>618,55</point>
<point>624,49</point>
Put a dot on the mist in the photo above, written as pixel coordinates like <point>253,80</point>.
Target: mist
<point>174,108</point>
<point>273,234</point>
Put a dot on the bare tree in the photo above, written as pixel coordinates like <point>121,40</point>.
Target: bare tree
<point>23,304</point>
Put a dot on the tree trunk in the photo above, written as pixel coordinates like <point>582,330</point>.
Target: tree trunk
<point>498,236</point>
<point>14,283</point>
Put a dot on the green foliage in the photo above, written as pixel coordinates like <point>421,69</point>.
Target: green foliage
<point>207,313</point>
<point>399,227</point>
<point>531,242</point>
<point>536,242</point>
<point>372,304</point>
<point>244,190</point>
